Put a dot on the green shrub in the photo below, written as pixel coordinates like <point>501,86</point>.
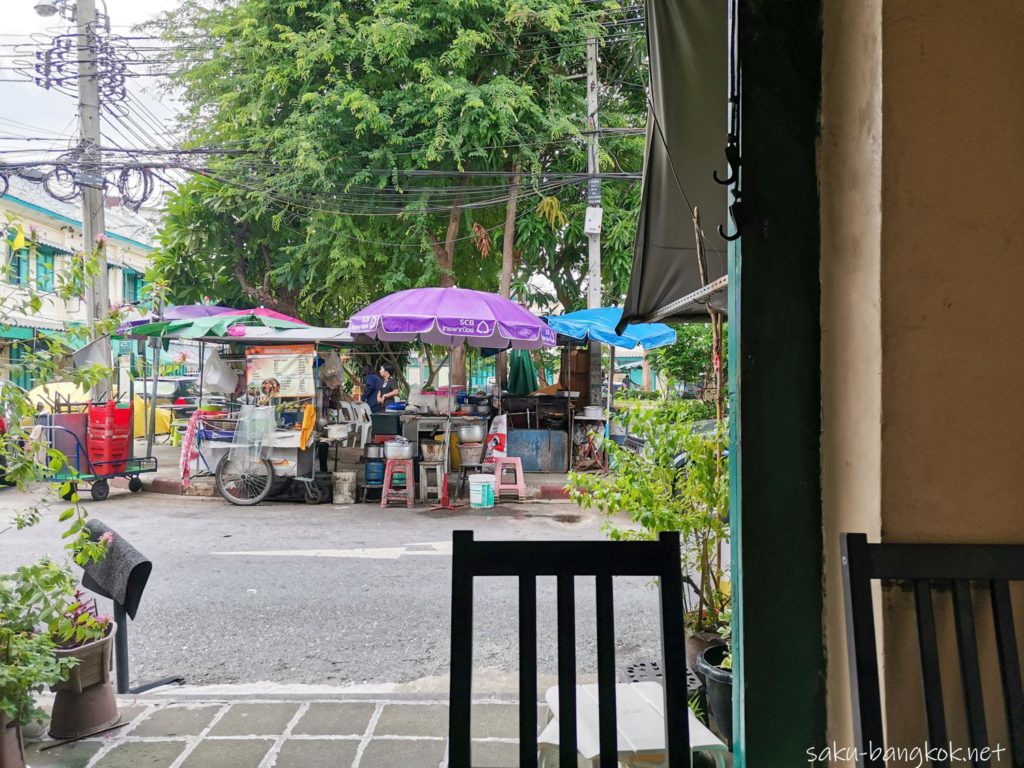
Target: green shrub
<point>646,487</point>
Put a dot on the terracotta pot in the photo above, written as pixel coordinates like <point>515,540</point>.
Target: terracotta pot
<point>696,644</point>
<point>85,702</point>
<point>12,752</point>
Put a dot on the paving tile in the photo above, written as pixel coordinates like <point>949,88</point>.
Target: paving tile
<point>130,712</point>
<point>403,753</point>
<point>69,756</point>
<point>494,721</point>
<point>150,754</point>
<point>176,721</point>
<point>233,753</point>
<point>317,753</point>
<point>494,754</point>
<point>255,720</point>
<point>335,719</point>
<point>413,720</point>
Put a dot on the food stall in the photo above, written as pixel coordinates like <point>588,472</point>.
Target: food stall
<point>275,430</point>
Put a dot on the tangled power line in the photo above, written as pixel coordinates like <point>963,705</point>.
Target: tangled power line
<point>140,156</point>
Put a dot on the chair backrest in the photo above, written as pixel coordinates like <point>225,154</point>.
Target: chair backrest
<point>929,566</point>
<point>361,412</point>
<point>566,560</point>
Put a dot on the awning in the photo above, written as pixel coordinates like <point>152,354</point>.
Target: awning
<point>18,320</point>
<point>686,136</point>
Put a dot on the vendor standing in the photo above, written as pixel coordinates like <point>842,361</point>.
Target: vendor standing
<point>388,388</point>
<point>371,388</point>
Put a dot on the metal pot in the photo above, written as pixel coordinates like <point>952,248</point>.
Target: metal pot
<point>373,451</point>
<point>398,449</point>
<point>472,433</point>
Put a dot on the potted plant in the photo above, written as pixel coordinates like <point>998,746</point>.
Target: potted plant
<point>716,665</point>
<point>27,659</point>
<point>85,701</point>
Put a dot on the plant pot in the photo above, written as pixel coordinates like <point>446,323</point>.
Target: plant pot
<point>696,644</point>
<point>719,687</point>
<point>85,703</point>
<point>12,751</point>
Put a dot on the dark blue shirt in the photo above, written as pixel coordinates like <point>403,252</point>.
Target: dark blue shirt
<point>373,386</point>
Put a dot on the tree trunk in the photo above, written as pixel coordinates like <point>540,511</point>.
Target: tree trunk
<point>444,252</point>
<point>508,242</point>
<point>542,374</point>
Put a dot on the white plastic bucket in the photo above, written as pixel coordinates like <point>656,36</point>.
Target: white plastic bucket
<point>481,491</point>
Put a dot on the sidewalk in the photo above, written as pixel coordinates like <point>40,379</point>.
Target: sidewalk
<point>367,732</point>
<point>539,485</point>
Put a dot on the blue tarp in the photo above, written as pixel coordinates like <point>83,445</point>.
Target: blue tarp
<point>599,325</point>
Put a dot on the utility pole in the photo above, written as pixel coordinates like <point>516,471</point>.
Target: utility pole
<point>592,226</point>
<point>90,180</point>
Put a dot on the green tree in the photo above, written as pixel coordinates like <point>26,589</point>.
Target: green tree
<point>689,359</point>
<point>372,142</point>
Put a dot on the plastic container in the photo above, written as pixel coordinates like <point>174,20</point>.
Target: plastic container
<point>110,417</point>
<point>109,455</point>
<point>481,491</point>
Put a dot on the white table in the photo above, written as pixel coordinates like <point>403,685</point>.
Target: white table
<point>640,721</point>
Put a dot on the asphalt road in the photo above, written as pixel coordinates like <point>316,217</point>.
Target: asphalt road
<point>289,593</point>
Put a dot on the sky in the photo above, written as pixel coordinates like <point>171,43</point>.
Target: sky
<point>40,112</point>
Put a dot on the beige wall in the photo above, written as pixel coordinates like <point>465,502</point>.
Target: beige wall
<point>923,253</point>
<point>850,157</point>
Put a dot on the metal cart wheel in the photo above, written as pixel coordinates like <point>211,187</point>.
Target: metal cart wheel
<point>313,493</point>
<point>244,481</point>
<point>100,490</point>
<point>135,485</point>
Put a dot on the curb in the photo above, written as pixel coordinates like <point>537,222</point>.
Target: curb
<point>554,492</point>
<point>549,492</point>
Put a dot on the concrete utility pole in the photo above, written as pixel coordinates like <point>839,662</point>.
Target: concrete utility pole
<point>592,225</point>
<point>97,300</point>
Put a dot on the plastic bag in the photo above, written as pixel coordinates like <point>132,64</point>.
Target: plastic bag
<point>496,438</point>
<point>218,376</point>
<point>332,374</point>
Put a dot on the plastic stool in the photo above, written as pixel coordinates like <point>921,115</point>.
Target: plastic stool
<point>504,464</point>
<point>393,492</point>
<point>428,468</point>
<point>465,470</point>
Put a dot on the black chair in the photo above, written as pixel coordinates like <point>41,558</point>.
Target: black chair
<point>566,560</point>
<point>927,567</point>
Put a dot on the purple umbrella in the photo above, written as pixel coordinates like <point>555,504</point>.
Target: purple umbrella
<point>449,316</point>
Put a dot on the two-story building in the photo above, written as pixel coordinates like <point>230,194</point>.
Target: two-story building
<point>54,229</point>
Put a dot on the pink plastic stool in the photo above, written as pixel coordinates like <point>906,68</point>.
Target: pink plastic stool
<point>505,464</point>
<point>390,491</point>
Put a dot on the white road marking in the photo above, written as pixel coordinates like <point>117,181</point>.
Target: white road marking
<point>438,548</point>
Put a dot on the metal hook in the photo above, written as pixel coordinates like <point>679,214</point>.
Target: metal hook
<point>741,217</point>
<point>732,157</point>
<point>728,238</point>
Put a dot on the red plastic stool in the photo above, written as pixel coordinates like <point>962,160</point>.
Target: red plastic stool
<point>391,491</point>
<point>513,464</point>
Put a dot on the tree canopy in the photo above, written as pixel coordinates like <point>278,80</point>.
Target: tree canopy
<point>345,149</point>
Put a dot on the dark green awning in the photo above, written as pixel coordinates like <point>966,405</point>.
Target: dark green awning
<point>686,137</point>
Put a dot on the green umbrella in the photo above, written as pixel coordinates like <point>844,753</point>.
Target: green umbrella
<point>522,375</point>
<point>215,326</point>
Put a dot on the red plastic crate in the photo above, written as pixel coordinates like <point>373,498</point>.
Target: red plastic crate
<point>110,416</point>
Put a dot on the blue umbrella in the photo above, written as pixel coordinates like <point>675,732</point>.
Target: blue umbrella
<point>599,325</point>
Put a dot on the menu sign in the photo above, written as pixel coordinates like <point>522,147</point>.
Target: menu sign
<point>281,371</point>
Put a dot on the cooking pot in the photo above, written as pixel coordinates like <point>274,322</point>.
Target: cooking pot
<point>373,451</point>
<point>472,433</point>
<point>398,449</point>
